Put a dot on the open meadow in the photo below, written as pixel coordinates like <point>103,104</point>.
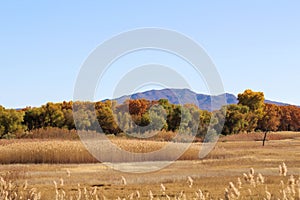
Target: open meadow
<point>60,169</point>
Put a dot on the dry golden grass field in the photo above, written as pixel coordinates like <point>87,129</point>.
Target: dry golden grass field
<point>70,172</point>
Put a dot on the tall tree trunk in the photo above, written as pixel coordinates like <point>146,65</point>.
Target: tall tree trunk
<point>265,136</point>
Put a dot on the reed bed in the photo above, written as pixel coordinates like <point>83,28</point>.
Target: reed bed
<point>69,151</point>
<point>44,151</point>
<point>73,151</point>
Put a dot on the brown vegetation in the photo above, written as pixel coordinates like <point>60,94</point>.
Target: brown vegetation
<point>73,151</point>
<point>223,168</point>
<point>252,183</point>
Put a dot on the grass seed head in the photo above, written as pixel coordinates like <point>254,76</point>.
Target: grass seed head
<point>61,182</point>
<point>284,169</point>
<point>260,179</point>
<point>162,187</point>
<point>239,182</point>
<point>246,178</point>
<point>123,180</point>
<point>251,171</point>
<point>68,173</point>
<point>291,180</point>
<point>280,170</point>
<point>151,195</point>
<point>190,181</point>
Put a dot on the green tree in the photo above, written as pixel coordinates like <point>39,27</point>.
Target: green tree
<point>236,119</point>
<point>219,116</point>
<point>67,109</point>
<point>85,116</point>
<point>33,118</point>
<point>205,118</point>
<point>190,119</point>
<point>173,113</point>
<point>83,120</point>
<point>124,121</point>
<point>185,120</point>
<point>174,117</point>
<point>158,117</point>
<point>53,115</point>
<point>69,120</point>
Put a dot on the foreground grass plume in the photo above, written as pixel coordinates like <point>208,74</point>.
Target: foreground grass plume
<point>283,169</point>
<point>190,181</point>
<point>123,180</point>
<point>288,188</point>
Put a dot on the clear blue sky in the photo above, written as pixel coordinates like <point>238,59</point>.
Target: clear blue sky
<point>254,44</point>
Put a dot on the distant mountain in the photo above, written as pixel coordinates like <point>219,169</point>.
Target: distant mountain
<point>184,96</point>
<point>276,103</point>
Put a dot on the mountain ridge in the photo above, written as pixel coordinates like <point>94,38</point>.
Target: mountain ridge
<point>185,96</point>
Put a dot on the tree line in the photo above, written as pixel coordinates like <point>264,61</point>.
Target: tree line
<point>141,116</point>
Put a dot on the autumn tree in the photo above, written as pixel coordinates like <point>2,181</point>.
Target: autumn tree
<point>289,118</point>
<point>295,114</point>
<point>138,106</point>
<point>107,118</point>
<point>10,122</point>
<point>285,119</point>
<point>138,109</point>
<point>204,122</point>
<point>255,102</point>
<point>270,119</point>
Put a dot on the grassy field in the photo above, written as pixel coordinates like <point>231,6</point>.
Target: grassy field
<point>231,157</point>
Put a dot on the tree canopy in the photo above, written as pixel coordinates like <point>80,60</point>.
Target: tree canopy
<point>251,114</point>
